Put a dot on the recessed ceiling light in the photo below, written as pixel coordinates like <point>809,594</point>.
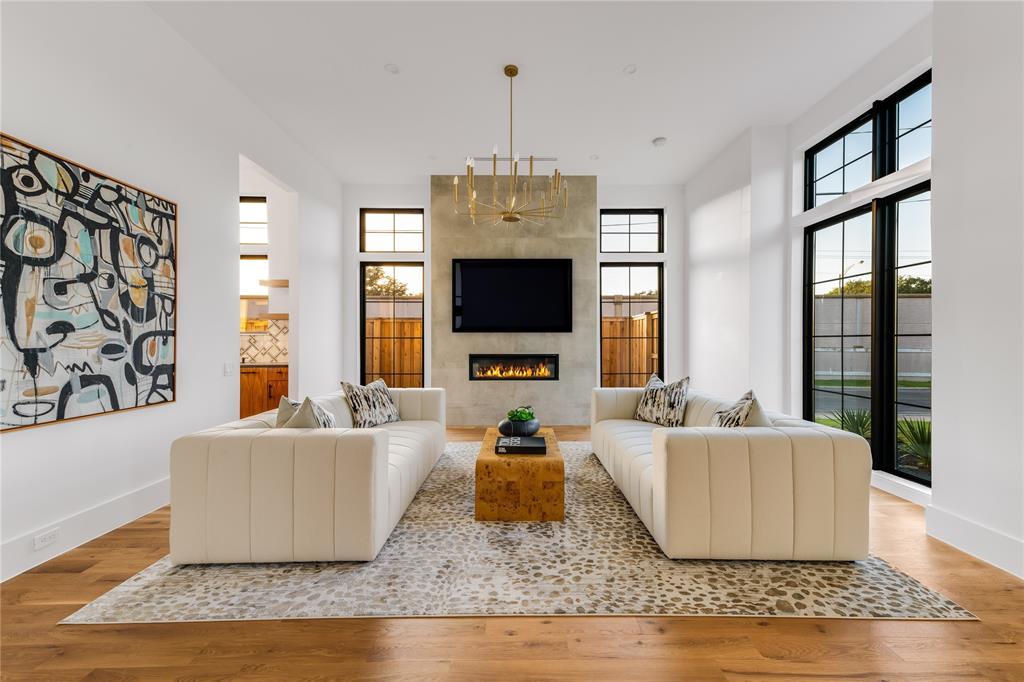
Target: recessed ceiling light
<point>594,157</point>
<point>659,141</point>
<point>629,69</point>
<point>391,68</point>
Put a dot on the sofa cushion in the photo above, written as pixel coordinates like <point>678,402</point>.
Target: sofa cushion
<point>624,447</point>
<point>336,404</point>
<point>413,449</point>
<point>701,408</point>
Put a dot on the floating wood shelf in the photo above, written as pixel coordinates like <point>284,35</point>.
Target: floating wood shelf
<point>274,283</point>
<point>275,316</point>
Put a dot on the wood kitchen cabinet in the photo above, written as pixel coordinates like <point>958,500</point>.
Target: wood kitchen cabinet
<point>261,389</point>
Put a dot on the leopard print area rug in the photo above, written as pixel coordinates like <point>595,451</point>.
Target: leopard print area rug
<point>440,562</point>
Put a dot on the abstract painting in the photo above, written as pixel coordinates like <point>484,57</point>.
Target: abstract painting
<point>88,290</point>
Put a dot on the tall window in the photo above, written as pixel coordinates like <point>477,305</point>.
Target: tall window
<point>912,333</point>
<point>391,230</point>
<point>631,323</point>
<point>840,289</point>
<point>632,230</point>
<point>392,323</point>
<point>895,133</point>
<point>868,289</point>
<point>252,220</point>
<point>867,353</point>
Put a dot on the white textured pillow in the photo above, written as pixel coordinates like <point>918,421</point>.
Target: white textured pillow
<point>304,415</point>
<point>757,415</point>
<point>736,414</point>
<point>371,405</point>
<point>661,403</point>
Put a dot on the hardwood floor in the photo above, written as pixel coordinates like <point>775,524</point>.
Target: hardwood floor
<point>512,648</point>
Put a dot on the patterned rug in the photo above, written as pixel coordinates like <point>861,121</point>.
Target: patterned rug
<point>440,562</point>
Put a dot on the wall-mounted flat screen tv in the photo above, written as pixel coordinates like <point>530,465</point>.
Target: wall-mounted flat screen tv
<point>512,295</point>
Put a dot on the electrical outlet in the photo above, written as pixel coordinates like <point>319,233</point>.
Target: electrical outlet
<point>45,539</point>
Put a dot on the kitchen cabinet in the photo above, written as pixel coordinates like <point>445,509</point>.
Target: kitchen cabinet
<point>261,388</point>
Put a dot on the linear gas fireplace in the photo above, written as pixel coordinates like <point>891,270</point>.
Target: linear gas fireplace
<point>516,367</point>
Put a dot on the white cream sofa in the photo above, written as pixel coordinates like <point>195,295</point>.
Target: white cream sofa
<point>245,492</point>
<point>795,490</point>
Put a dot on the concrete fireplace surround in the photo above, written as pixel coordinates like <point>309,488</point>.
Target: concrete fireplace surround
<point>566,401</point>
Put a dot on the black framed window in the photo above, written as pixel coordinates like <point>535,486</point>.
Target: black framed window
<point>840,163</point>
<point>867,328</point>
<point>391,230</point>
<point>840,284</point>
<point>911,333</point>
<point>914,125</point>
<point>391,315</point>
<point>631,323</point>
<point>629,230</point>
<point>895,133</point>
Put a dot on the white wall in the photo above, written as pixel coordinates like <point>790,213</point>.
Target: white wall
<point>671,199</point>
<point>282,234</point>
<point>737,268</point>
<point>770,266</point>
<point>718,272</point>
<point>978,309</point>
<point>116,89</point>
<point>360,196</point>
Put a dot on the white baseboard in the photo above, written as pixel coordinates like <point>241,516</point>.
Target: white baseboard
<point>990,545</point>
<point>902,488</point>
<point>17,555</point>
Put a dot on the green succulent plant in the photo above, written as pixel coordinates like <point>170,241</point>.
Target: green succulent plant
<point>522,413</point>
<point>914,440</point>
<point>854,421</point>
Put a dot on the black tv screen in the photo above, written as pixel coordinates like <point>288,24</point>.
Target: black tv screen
<point>512,295</point>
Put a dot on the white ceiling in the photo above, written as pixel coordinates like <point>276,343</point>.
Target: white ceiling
<point>705,72</point>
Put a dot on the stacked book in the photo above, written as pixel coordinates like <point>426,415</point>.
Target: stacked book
<point>520,445</point>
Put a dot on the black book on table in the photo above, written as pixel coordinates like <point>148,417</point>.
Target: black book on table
<point>520,445</point>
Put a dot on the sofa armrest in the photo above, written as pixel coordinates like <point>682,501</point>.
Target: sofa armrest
<point>266,495</point>
<point>426,404</point>
<point>613,403</point>
<point>761,492</point>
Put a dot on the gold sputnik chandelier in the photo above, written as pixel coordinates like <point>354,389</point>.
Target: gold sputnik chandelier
<point>513,199</point>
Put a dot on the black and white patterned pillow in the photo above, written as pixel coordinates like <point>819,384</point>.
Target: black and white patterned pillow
<point>292,414</point>
<point>371,405</point>
<point>736,414</point>
<point>663,403</point>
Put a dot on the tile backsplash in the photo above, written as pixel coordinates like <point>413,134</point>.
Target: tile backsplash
<point>266,347</point>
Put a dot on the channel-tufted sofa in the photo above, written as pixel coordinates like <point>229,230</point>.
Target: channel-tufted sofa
<point>794,490</point>
<point>245,492</point>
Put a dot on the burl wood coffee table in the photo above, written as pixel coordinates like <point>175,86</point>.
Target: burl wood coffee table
<point>520,487</point>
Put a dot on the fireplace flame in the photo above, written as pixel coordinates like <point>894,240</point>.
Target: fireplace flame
<point>500,370</point>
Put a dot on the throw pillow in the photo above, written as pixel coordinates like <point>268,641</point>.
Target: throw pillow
<point>757,416</point>
<point>736,414</point>
<point>663,403</point>
<point>308,415</point>
<point>371,405</point>
<point>285,409</point>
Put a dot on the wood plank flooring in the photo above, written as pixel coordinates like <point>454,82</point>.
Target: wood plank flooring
<point>33,647</point>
